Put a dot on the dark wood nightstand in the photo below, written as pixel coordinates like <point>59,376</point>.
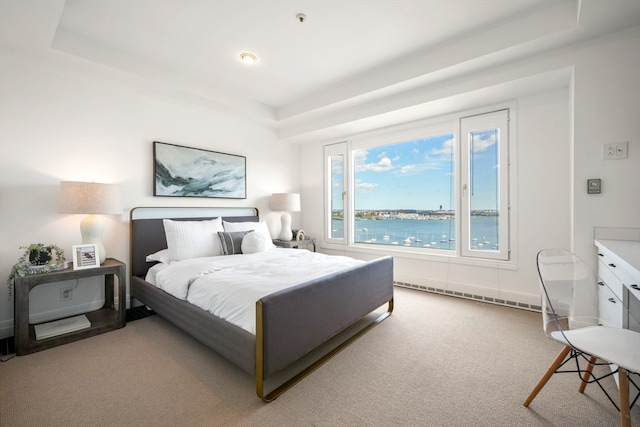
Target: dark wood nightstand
<point>108,318</point>
<point>304,243</point>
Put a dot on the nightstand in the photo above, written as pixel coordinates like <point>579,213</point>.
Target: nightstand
<point>108,318</point>
<point>304,243</point>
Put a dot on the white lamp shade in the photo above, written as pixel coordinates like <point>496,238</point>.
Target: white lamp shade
<point>90,198</point>
<point>285,202</point>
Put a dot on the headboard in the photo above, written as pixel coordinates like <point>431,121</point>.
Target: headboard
<point>147,230</point>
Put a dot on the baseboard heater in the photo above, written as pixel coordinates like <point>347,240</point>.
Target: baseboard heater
<point>465,295</point>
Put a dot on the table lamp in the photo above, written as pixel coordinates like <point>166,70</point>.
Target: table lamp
<point>91,198</point>
<point>285,202</point>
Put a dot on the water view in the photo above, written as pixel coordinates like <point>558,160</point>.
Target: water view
<point>438,232</point>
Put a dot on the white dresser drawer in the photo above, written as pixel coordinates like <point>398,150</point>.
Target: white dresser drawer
<point>606,274</point>
<point>625,275</point>
<point>611,309</point>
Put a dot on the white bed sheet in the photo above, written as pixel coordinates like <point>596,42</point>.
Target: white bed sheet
<point>229,286</point>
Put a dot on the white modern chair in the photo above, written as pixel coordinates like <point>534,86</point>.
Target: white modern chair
<point>570,314</point>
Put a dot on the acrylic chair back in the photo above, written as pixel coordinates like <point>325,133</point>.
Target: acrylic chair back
<point>570,293</point>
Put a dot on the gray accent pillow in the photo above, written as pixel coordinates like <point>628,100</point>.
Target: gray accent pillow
<point>231,241</point>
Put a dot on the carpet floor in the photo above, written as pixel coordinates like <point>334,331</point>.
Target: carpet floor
<point>437,361</point>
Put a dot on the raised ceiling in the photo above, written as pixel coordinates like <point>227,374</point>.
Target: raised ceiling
<point>347,56</point>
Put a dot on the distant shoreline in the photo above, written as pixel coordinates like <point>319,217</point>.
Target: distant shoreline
<point>412,214</point>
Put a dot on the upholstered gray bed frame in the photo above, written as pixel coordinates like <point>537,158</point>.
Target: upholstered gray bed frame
<point>289,323</point>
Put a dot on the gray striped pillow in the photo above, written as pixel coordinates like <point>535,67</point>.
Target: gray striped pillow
<point>231,241</point>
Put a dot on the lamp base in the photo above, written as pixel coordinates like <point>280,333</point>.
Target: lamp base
<point>91,229</point>
<point>285,231</point>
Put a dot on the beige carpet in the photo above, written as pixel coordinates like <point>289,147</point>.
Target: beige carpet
<point>437,361</point>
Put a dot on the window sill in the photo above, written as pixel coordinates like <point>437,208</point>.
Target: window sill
<point>409,253</point>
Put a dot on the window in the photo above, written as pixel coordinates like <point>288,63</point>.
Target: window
<point>336,227</point>
<point>437,188</point>
<point>484,197</point>
<point>404,193</point>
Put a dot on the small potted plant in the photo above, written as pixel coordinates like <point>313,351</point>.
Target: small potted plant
<point>37,258</point>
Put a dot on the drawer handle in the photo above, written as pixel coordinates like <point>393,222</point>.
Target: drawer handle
<point>612,265</point>
<point>601,283</point>
<point>612,300</point>
<point>600,255</point>
<point>636,287</point>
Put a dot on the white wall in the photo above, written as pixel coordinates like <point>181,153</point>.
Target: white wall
<point>606,109</point>
<point>558,146</point>
<point>62,122</point>
<point>66,122</point>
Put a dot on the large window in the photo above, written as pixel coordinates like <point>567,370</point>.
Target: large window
<point>441,188</point>
<point>404,193</point>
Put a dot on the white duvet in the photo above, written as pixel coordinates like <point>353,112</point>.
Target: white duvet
<point>229,286</point>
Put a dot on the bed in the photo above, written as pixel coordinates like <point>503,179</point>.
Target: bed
<point>289,323</point>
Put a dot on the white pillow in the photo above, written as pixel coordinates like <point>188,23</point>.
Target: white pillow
<point>160,256</point>
<point>258,227</point>
<point>192,239</point>
<point>253,243</point>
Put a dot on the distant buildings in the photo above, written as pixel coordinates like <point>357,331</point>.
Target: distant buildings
<point>417,214</point>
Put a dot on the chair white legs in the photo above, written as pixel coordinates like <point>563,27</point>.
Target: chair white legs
<point>547,375</point>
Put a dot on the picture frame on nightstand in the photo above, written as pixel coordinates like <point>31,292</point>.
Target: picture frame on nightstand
<point>85,256</point>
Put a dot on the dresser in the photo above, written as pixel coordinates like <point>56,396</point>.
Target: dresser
<point>619,269</point>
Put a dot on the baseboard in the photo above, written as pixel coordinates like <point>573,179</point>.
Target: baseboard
<point>491,300</point>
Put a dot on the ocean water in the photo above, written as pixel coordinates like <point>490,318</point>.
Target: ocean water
<point>438,234</point>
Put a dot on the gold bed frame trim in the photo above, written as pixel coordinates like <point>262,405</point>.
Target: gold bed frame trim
<point>260,380</point>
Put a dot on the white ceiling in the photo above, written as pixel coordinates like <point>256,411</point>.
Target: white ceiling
<point>347,56</point>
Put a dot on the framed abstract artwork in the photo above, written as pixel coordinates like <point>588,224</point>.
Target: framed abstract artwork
<point>192,172</point>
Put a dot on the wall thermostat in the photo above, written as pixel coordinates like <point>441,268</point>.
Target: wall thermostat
<point>594,186</point>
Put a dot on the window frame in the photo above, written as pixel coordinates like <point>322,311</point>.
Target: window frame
<point>489,120</point>
<point>336,149</point>
<point>436,126</point>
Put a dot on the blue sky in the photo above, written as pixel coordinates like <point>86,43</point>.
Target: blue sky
<point>411,175</point>
<point>418,174</point>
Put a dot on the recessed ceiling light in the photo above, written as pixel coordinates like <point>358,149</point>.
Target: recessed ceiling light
<point>248,58</point>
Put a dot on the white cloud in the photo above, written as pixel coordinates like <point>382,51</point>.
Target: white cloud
<point>365,187</point>
<point>383,165</point>
<point>482,141</point>
<point>446,149</point>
